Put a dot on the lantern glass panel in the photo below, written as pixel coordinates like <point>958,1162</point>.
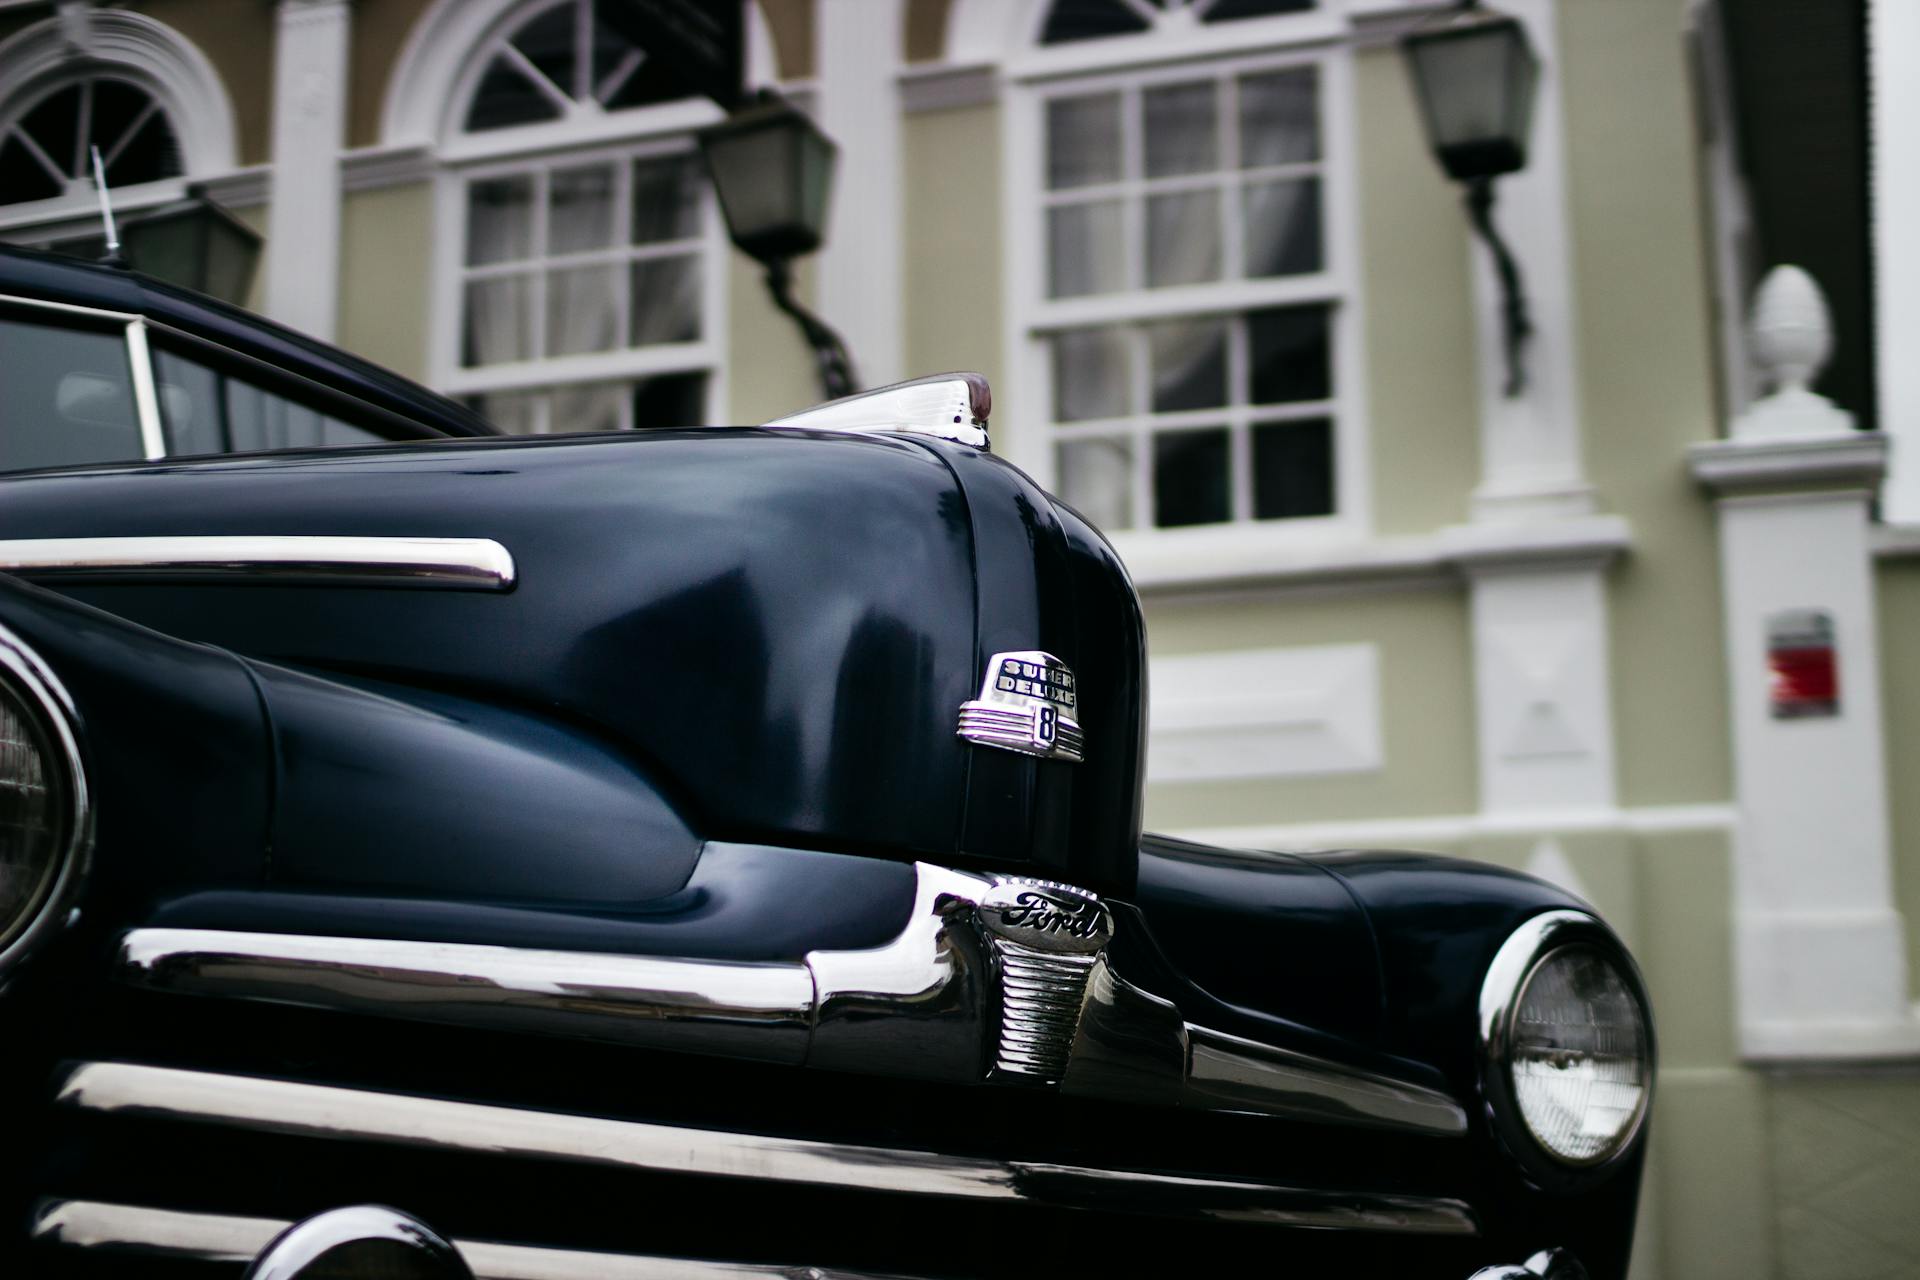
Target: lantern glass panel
<point>1476,88</point>
<point>772,174</point>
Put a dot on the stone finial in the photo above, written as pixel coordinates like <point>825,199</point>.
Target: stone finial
<point>1792,337</point>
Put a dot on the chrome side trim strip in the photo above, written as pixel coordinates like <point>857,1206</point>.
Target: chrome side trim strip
<point>260,1105</point>
<point>96,1227</point>
<point>1135,1047</point>
<point>479,564</point>
<point>757,1011</point>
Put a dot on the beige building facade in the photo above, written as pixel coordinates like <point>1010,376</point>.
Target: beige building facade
<point>1232,310</point>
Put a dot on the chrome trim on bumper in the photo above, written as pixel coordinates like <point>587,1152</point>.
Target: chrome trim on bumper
<point>95,1227</point>
<point>757,1011</point>
<point>478,564</point>
<point>990,979</point>
<point>260,1105</point>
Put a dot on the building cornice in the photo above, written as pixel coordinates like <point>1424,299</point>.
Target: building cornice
<point>1851,460</point>
<point>1240,559</point>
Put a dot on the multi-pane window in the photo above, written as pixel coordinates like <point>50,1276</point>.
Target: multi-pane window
<point>46,149</point>
<point>1196,420</point>
<point>584,277</point>
<point>1188,307</point>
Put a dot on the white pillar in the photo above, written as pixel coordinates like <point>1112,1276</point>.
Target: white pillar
<point>860,271</point>
<point>309,130</point>
<point>1893,53</point>
<point>1820,955</point>
<point>1530,443</point>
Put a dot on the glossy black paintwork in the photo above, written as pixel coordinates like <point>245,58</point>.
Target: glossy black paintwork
<point>27,273</point>
<point>778,629</point>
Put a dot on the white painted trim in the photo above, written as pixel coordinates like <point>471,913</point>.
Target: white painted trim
<point>311,42</point>
<point>1895,541</point>
<point>1856,460</point>
<point>1362,833</point>
<point>942,87</point>
<point>240,189</point>
<point>1893,50</point>
<point>860,272</point>
<point>1530,444</point>
<point>1234,557</point>
<point>420,88</point>
<point>1295,711</point>
<point>371,168</point>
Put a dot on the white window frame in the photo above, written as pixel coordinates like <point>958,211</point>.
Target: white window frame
<point>1179,53</point>
<point>584,135</point>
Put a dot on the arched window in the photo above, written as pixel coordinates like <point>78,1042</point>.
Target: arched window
<point>1186,305</point>
<point>587,284</point>
<point>120,81</point>
<point>45,142</point>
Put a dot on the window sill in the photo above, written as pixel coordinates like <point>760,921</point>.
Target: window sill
<point>1321,553</point>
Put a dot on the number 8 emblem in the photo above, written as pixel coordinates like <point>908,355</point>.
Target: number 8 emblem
<point>1046,725</point>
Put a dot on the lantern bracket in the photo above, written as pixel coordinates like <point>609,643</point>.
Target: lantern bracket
<point>1516,325</point>
<point>835,365</point>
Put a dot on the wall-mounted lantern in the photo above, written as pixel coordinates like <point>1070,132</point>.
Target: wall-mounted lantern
<point>196,243</point>
<point>1475,76</point>
<point>773,171</point>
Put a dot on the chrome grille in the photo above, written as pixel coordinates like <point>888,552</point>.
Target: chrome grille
<point>1041,994</point>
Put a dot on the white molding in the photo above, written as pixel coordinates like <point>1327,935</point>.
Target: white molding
<point>1856,459</point>
<point>944,87</point>
<point>239,189</point>
<point>1893,50</point>
<point>1297,711</point>
<point>150,52</point>
<point>371,168</point>
<point>860,273</point>
<point>1456,828</point>
<point>1530,444</point>
<point>311,41</point>
<point>1251,557</point>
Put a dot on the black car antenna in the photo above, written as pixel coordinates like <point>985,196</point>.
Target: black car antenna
<point>112,257</point>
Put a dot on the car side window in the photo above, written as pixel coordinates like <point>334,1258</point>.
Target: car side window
<point>207,410</point>
<point>66,397</point>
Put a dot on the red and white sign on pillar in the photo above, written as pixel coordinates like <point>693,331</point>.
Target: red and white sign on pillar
<point>1803,675</point>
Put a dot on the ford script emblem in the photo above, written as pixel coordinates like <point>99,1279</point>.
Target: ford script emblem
<point>1044,916</point>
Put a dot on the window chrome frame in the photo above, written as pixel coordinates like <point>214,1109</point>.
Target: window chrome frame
<point>44,695</point>
<point>139,334</point>
<point>1530,945</point>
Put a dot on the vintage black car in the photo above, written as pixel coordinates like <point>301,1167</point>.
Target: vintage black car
<point>690,852</point>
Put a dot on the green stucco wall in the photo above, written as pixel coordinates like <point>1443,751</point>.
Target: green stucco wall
<point>1646,387</point>
<point>1426,707</point>
<point>1423,406</point>
<point>1898,586</point>
<point>386,276</point>
<point>952,204</point>
<point>770,371</point>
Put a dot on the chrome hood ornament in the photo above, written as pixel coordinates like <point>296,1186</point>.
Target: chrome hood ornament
<point>1029,704</point>
<point>951,406</point>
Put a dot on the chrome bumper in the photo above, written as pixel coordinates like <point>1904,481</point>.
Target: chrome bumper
<point>991,980</point>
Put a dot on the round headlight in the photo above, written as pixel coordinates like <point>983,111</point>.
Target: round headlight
<point>1568,1046</point>
<point>43,800</point>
